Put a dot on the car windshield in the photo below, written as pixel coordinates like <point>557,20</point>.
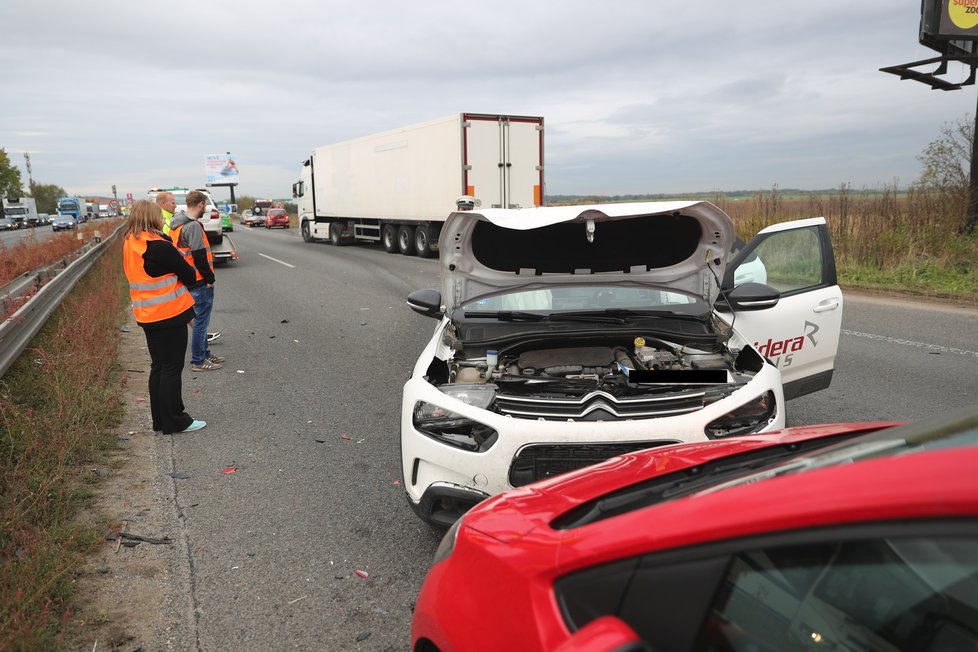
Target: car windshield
<point>606,299</point>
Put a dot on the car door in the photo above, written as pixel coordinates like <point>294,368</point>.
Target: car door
<point>799,335</point>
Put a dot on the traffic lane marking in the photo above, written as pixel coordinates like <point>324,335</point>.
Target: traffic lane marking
<point>919,345</point>
<point>280,262</point>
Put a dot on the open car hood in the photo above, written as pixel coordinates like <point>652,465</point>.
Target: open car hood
<point>677,245</point>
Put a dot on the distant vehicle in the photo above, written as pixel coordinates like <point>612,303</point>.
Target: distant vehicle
<point>72,206</point>
<point>261,206</point>
<point>226,223</point>
<point>103,210</point>
<point>91,211</point>
<point>63,223</point>
<point>247,218</point>
<point>397,187</point>
<point>43,219</point>
<point>23,210</point>
<point>7,224</point>
<point>277,217</point>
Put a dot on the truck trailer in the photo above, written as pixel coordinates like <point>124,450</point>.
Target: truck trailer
<point>397,187</point>
<point>22,210</point>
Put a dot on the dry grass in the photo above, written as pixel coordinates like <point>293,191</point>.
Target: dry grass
<point>58,404</point>
<point>886,240</point>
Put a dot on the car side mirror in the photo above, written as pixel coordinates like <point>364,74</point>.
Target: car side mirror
<point>606,634</point>
<point>752,296</point>
<point>426,302</point>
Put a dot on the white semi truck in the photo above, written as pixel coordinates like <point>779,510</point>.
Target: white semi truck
<point>22,210</point>
<point>397,187</point>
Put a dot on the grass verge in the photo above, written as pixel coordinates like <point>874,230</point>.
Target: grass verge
<point>58,405</point>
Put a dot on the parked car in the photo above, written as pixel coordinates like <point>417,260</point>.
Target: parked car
<point>63,223</point>
<point>276,217</point>
<point>226,223</point>
<point>842,537</point>
<point>7,224</point>
<point>571,334</point>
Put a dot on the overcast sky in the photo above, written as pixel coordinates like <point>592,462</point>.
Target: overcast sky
<point>638,96</point>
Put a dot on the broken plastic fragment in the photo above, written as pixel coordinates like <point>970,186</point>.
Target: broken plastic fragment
<point>345,437</point>
<point>240,371</point>
<point>362,574</point>
<point>229,470</point>
<point>362,636</point>
<point>179,475</point>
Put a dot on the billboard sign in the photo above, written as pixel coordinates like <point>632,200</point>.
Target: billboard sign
<point>220,169</point>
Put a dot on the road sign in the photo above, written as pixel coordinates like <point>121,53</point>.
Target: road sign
<point>114,204</point>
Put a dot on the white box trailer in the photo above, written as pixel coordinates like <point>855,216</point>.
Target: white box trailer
<point>397,187</point>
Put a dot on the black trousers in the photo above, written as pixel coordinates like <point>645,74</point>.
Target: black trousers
<point>168,351</point>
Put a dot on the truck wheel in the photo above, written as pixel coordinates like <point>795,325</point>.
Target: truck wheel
<point>389,238</point>
<point>422,241</point>
<point>405,240</point>
<point>306,234</point>
<point>334,235</point>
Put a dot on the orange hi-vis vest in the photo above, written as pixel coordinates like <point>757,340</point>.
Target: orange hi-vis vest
<point>154,298</point>
<point>187,254</point>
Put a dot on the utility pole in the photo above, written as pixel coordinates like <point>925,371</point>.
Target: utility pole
<point>30,178</point>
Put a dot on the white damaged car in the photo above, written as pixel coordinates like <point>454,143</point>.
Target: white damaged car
<point>571,334</point>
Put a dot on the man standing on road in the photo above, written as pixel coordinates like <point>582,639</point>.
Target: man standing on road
<point>189,237</point>
<point>167,206</point>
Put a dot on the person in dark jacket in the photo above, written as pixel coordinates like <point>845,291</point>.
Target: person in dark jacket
<point>158,278</point>
<point>189,237</point>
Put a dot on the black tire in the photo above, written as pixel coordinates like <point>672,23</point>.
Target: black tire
<point>215,238</point>
<point>405,239</point>
<point>388,238</point>
<point>334,235</point>
<point>422,241</point>
<point>306,233</point>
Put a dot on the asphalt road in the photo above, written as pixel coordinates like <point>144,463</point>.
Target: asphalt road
<point>318,342</point>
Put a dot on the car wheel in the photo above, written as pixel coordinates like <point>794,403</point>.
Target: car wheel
<point>215,238</point>
<point>306,233</point>
<point>388,237</point>
<point>405,239</point>
<point>422,241</point>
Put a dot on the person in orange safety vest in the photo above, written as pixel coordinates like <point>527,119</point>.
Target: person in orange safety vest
<point>158,277</point>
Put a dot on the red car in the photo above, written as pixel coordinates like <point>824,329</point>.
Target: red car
<point>843,537</point>
<point>276,217</point>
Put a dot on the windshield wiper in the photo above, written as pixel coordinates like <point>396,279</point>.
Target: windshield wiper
<point>629,312</point>
<point>518,315</point>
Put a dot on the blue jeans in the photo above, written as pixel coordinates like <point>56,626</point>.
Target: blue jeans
<point>203,303</point>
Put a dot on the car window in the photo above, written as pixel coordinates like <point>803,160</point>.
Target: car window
<point>876,594</point>
<point>787,261</point>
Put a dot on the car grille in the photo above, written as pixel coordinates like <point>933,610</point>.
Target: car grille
<point>539,461</point>
<point>599,405</point>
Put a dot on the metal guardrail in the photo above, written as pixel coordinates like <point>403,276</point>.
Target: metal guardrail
<point>19,329</point>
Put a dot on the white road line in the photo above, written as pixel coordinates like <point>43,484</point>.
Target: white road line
<point>280,262</point>
<point>919,345</point>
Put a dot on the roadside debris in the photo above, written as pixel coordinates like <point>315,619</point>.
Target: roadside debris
<point>362,636</point>
<point>297,599</point>
<point>345,437</point>
<point>179,475</point>
<point>229,470</point>
<point>362,574</point>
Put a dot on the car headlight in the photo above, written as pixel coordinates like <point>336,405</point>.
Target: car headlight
<point>447,544</point>
<point>455,429</point>
<point>749,417</point>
